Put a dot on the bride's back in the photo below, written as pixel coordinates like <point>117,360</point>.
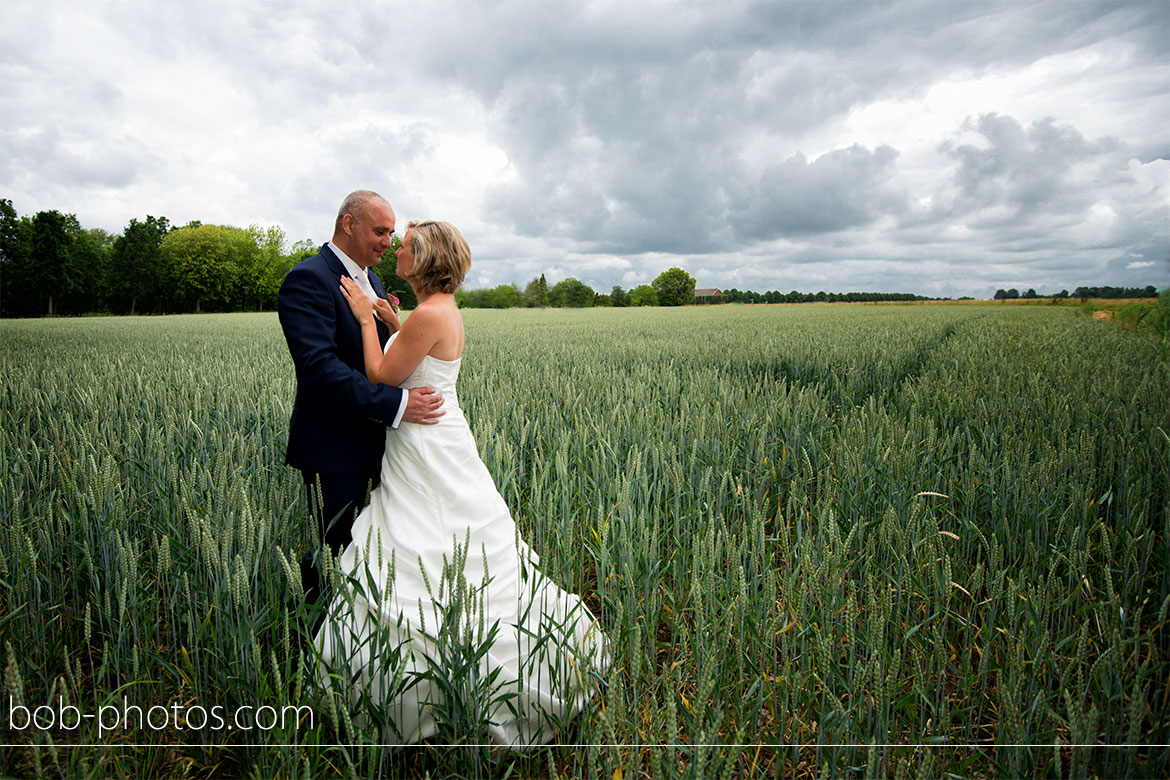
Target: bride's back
<point>445,321</point>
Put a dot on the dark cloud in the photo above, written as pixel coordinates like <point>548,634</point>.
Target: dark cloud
<point>840,190</point>
<point>49,154</point>
<point>630,140</point>
<point>356,157</point>
<point>1028,171</point>
<point>633,136</point>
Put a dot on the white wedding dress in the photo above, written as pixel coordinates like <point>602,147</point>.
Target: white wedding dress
<point>444,623</point>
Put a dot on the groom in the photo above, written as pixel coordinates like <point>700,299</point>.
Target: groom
<point>339,419</point>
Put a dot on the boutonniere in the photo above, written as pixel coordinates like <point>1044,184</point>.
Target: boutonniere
<point>395,304</point>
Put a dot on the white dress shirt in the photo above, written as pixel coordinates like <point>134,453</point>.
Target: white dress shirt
<point>360,275</point>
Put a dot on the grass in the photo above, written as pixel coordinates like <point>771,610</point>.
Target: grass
<point>842,540</point>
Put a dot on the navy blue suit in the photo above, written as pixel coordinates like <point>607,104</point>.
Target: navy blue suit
<point>339,417</point>
<point>338,429</point>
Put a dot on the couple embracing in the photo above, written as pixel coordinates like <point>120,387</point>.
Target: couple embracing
<point>377,414</point>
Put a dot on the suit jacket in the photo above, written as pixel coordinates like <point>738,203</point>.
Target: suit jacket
<point>339,417</point>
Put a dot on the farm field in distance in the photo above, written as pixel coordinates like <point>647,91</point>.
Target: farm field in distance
<point>844,540</point>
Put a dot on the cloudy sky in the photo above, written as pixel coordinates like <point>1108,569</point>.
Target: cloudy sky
<point>927,146</point>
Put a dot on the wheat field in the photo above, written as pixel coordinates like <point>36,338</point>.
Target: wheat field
<point>824,540</point>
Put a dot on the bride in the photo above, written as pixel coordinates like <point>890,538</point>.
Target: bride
<point>443,622</point>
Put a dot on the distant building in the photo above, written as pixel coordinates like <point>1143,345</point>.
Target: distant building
<point>708,295</point>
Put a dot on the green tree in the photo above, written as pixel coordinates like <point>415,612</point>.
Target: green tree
<point>88,256</point>
<point>571,292</point>
<point>97,274</point>
<point>387,273</point>
<point>618,296</point>
<point>246,283</point>
<point>100,236</point>
<point>301,250</point>
<point>17,270</point>
<point>48,264</point>
<point>135,274</point>
<point>643,295</point>
<point>471,299</point>
<point>536,293</point>
<point>9,227</point>
<point>50,250</point>
<point>674,287</point>
<point>271,264</point>
<point>204,265</point>
<point>506,296</point>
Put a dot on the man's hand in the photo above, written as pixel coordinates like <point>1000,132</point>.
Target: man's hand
<point>422,406</point>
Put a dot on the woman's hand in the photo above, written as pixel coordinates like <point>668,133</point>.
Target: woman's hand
<point>384,311</point>
<point>359,304</point>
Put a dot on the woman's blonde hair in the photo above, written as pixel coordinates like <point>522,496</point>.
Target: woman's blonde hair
<point>441,255</point>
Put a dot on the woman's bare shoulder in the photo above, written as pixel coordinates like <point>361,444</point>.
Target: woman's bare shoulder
<point>435,308</point>
<point>439,324</point>
<point>433,316</point>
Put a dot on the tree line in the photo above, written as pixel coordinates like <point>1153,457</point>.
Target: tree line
<point>673,287</point>
<point>775,296</point>
<point>1149,291</point>
<point>51,265</point>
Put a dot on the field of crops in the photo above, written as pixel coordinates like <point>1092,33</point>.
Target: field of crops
<point>847,540</point>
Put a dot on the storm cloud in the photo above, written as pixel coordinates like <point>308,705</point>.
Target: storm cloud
<point>937,148</point>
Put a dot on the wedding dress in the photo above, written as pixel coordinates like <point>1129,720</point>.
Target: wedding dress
<point>444,622</point>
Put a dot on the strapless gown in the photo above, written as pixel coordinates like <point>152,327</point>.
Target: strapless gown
<point>443,622</point>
